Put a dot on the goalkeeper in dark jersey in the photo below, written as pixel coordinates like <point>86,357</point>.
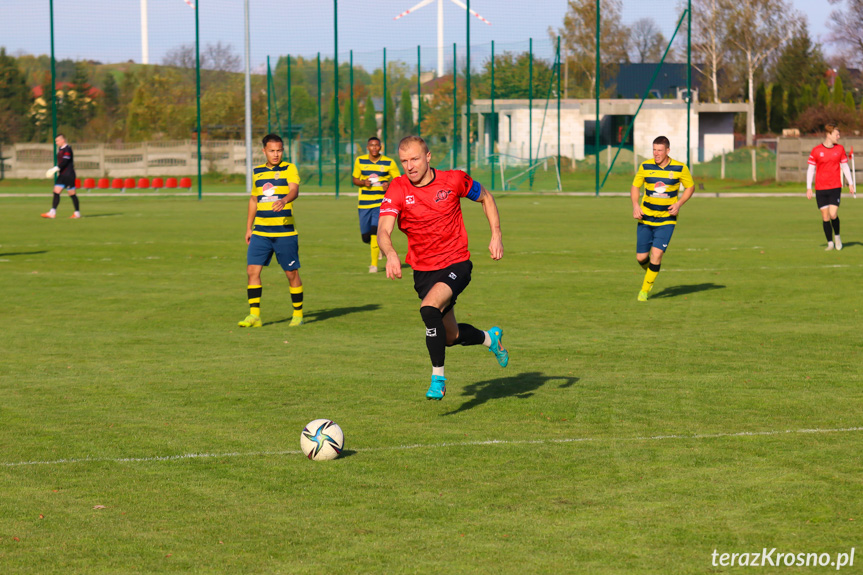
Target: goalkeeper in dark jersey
<point>65,169</point>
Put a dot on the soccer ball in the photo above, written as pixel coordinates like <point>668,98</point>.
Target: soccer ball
<point>322,439</point>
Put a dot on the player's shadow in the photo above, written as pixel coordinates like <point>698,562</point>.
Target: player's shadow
<point>849,244</point>
<point>24,253</point>
<point>675,291</point>
<point>521,386</point>
<point>325,314</point>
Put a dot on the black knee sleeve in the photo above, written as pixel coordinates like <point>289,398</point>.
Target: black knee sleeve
<point>435,334</point>
<point>653,267</point>
<point>367,238</point>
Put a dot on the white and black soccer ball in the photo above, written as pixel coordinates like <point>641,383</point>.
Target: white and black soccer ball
<point>322,439</point>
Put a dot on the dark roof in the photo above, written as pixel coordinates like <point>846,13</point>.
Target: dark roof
<point>632,80</point>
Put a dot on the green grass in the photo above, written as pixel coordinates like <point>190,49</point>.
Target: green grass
<point>611,443</point>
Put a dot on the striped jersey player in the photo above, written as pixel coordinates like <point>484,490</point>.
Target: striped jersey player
<point>426,205</point>
<point>270,229</point>
<point>656,211</point>
<point>373,173</point>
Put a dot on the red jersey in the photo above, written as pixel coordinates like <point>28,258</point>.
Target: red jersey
<point>827,165</point>
<point>430,216</point>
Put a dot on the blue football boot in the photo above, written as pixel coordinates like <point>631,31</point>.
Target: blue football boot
<point>437,389</point>
<point>496,346</point>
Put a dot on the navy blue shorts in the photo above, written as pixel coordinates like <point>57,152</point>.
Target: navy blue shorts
<point>369,219</point>
<point>653,237</point>
<point>286,248</point>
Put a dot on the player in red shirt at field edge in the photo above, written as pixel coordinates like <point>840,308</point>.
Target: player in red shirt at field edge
<point>426,203</point>
<point>825,163</point>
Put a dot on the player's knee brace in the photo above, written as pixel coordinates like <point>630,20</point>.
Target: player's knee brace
<point>432,316</point>
<point>367,238</point>
<point>653,267</point>
<point>435,334</point>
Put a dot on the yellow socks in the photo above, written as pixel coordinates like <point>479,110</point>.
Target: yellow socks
<point>297,300</point>
<point>375,250</point>
<point>255,300</point>
<point>650,277</point>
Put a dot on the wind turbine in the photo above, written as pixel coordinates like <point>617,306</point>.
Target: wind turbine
<point>440,25</point>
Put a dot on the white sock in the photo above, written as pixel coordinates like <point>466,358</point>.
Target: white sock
<point>77,213</point>
<point>437,371</point>
<point>487,341</point>
<point>52,212</point>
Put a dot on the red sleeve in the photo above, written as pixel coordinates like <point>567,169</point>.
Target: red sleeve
<point>844,158</point>
<point>812,161</point>
<point>462,183</point>
<point>393,201</point>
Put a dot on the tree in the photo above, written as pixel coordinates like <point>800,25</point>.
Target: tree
<point>370,122</point>
<point>182,56</point>
<point>304,110</point>
<point>220,57</point>
<point>111,100</point>
<point>390,120</point>
<point>14,99</point>
<point>761,27</point>
<point>845,30</point>
<point>346,117</point>
<point>578,39</point>
<point>77,106</point>
<point>823,99</point>
<point>806,98</point>
<point>710,41</point>
<point>777,109</point>
<point>648,43</point>
<point>849,101</point>
<point>761,109</point>
<point>512,77</point>
<point>792,104</point>
<point>800,62</point>
<point>406,115</point>
<point>838,91</point>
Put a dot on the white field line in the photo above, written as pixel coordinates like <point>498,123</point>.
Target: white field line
<point>487,442</point>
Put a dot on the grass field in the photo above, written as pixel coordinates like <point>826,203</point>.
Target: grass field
<point>143,432</point>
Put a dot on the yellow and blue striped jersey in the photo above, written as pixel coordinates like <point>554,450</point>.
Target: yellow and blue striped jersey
<point>385,169</point>
<point>269,185</point>
<point>662,186</point>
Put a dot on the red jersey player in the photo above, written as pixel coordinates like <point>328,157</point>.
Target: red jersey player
<point>825,163</point>
<point>426,203</point>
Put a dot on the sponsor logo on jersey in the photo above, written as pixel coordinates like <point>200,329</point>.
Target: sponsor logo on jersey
<point>268,189</point>
<point>409,200</point>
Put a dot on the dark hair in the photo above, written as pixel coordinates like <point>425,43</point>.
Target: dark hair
<point>374,138</point>
<point>408,140</point>
<point>61,136</point>
<point>830,128</point>
<point>663,141</point>
<point>272,138</point>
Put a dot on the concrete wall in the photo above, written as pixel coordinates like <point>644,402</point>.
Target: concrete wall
<point>792,157</point>
<point>665,119</point>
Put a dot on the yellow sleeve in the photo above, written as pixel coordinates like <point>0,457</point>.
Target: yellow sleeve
<point>394,170</point>
<point>638,181</point>
<point>357,172</point>
<point>686,178</point>
<point>292,175</point>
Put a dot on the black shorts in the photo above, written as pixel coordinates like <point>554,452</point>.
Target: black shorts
<point>456,276</point>
<point>826,198</point>
<point>67,181</point>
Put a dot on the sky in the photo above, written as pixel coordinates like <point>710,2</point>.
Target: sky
<point>110,30</point>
